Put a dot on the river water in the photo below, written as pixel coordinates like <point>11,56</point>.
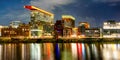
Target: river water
<point>59,51</point>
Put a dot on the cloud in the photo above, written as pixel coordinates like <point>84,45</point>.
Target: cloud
<point>113,4</point>
<point>106,1</point>
<point>21,15</point>
<point>50,5</point>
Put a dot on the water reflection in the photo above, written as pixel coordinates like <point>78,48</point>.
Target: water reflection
<point>35,51</point>
<point>59,51</point>
<point>111,51</point>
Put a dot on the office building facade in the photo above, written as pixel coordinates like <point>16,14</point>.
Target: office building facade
<point>92,33</point>
<point>21,31</point>
<point>68,24</point>
<point>58,28</point>
<point>111,29</point>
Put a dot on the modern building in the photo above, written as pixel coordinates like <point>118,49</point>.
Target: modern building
<point>82,27</point>
<point>58,28</point>
<point>68,21</point>
<point>111,29</point>
<point>68,24</point>
<point>41,22</point>
<point>92,32</point>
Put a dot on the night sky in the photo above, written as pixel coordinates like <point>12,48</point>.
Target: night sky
<point>93,11</point>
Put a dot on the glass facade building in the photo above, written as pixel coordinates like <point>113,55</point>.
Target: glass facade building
<point>40,16</point>
<point>41,22</point>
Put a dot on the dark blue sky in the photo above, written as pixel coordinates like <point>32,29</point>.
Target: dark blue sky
<point>93,11</point>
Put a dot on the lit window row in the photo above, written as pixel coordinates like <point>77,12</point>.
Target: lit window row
<point>108,23</point>
<point>111,27</point>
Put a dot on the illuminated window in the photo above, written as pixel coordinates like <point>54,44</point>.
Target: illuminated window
<point>96,31</point>
<point>119,23</point>
<point>105,23</point>
<point>87,31</point>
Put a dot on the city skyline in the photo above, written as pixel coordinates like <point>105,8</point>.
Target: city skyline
<point>95,11</point>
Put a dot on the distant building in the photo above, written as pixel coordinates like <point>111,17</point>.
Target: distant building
<point>92,32</point>
<point>68,24</point>
<point>111,29</point>
<point>9,32</point>
<point>24,30</point>
<point>82,27</point>
<point>15,24</point>
<point>41,22</point>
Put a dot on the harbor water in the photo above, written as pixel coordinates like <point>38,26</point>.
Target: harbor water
<point>59,51</point>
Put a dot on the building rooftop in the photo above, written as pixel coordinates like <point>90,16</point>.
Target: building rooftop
<point>38,9</point>
<point>68,16</point>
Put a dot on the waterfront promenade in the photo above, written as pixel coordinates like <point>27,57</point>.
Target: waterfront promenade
<point>59,40</point>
